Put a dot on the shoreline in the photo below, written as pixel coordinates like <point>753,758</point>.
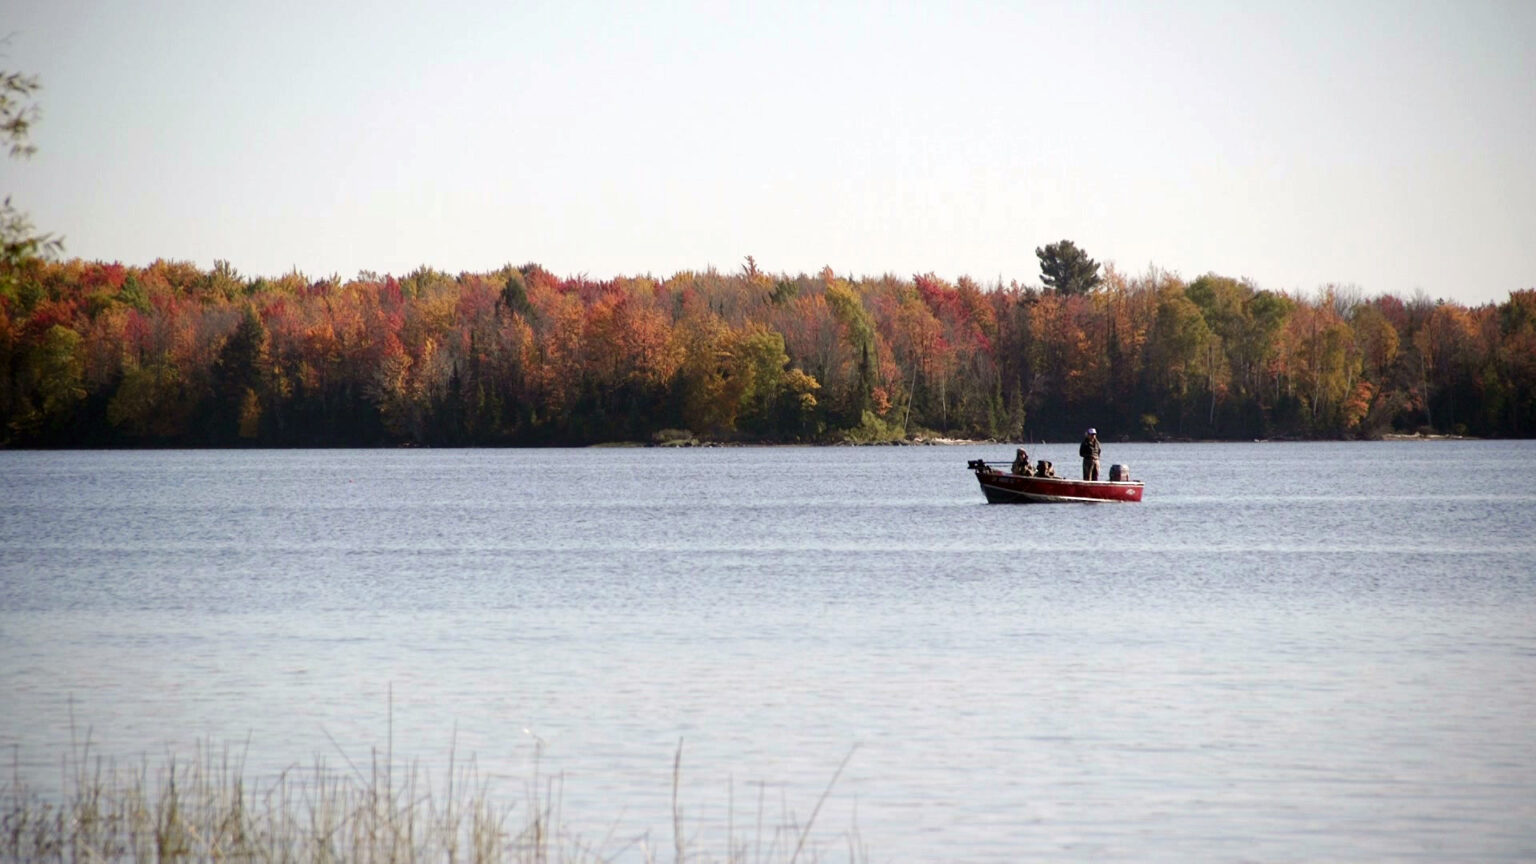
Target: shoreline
<point>691,443</point>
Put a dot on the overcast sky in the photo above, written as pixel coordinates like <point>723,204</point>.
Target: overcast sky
<point>1390,146</point>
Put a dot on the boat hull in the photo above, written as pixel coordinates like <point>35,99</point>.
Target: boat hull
<point>1003,488</point>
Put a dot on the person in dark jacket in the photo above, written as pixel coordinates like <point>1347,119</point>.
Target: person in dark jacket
<point>1089,450</point>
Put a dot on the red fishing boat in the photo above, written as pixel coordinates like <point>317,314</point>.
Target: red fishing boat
<point>1002,486</point>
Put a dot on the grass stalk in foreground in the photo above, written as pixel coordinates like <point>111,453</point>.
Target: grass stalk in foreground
<point>205,809</point>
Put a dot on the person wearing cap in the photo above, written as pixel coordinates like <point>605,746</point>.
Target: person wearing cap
<point>1089,450</point>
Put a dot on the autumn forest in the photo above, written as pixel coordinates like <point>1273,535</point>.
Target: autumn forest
<point>107,355</point>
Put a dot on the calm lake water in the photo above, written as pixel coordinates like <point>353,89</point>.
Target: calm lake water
<point>1288,652</point>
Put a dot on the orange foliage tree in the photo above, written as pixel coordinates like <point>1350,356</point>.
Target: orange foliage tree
<point>105,354</point>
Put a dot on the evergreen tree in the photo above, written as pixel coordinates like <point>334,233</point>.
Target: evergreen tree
<point>1067,268</point>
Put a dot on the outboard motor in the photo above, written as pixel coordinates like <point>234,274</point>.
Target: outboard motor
<point>1119,473</point>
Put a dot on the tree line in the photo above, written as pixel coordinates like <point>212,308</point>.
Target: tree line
<point>96,354</point>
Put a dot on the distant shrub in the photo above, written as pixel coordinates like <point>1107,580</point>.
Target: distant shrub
<point>873,430</point>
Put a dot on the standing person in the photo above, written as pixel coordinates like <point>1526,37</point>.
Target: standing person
<point>1089,450</point>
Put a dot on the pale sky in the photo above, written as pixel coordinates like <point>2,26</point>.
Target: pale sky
<point>1386,145</point>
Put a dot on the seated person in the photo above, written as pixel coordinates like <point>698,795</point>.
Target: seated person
<point>1021,464</point>
<point>1045,469</point>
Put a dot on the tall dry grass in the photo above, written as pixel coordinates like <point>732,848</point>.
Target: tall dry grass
<point>205,809</point>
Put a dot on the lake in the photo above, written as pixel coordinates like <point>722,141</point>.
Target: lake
<point>1287,652</point>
